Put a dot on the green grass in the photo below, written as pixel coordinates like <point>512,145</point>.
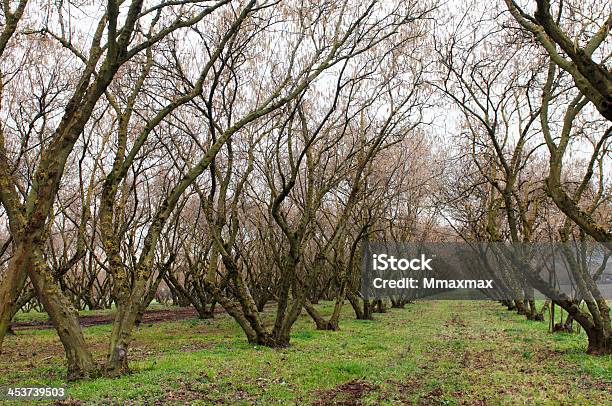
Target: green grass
<point>440,352</point>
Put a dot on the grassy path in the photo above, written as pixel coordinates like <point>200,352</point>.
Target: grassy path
<point>430,353</point>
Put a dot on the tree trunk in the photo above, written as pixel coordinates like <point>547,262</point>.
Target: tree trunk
<point>397,304</point>
<point>254,336</point>
<point>335,317</point>
<point>261,303</point>
<point>65,318</point>
<point>10,289</point>
<point>281,335</point>
<point>123,326</point>
<point>150,295</point>
<point>364,313</point>
<point>565,327</point>
<point>600,342</point>
<point>532,311</point>
<point>509,305</point>
<point>319,320</point>
<point>380,306</point>
<point>540,314</point>
<point>520,307</point>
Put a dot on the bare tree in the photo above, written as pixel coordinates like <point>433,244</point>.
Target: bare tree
<point>553,32</point>
<point>111,46</point>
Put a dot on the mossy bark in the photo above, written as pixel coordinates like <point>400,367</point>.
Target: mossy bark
<point>65,318</point>
<point>10,289</point>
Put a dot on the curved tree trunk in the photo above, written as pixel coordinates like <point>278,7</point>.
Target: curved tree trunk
<point>12,284</point>
<point>320,321</point>
<point>600,343</point>
<point>65,318</point>
<point>364,313</point>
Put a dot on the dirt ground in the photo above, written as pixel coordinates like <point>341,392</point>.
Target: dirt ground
<point>150,316</point>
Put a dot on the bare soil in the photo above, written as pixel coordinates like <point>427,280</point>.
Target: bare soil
<point>347,394</point>
<point>150,316</point>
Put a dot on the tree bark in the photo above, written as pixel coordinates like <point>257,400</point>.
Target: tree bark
<point>80,363</point>
<point>10,289</point>
<point>319,320</point>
